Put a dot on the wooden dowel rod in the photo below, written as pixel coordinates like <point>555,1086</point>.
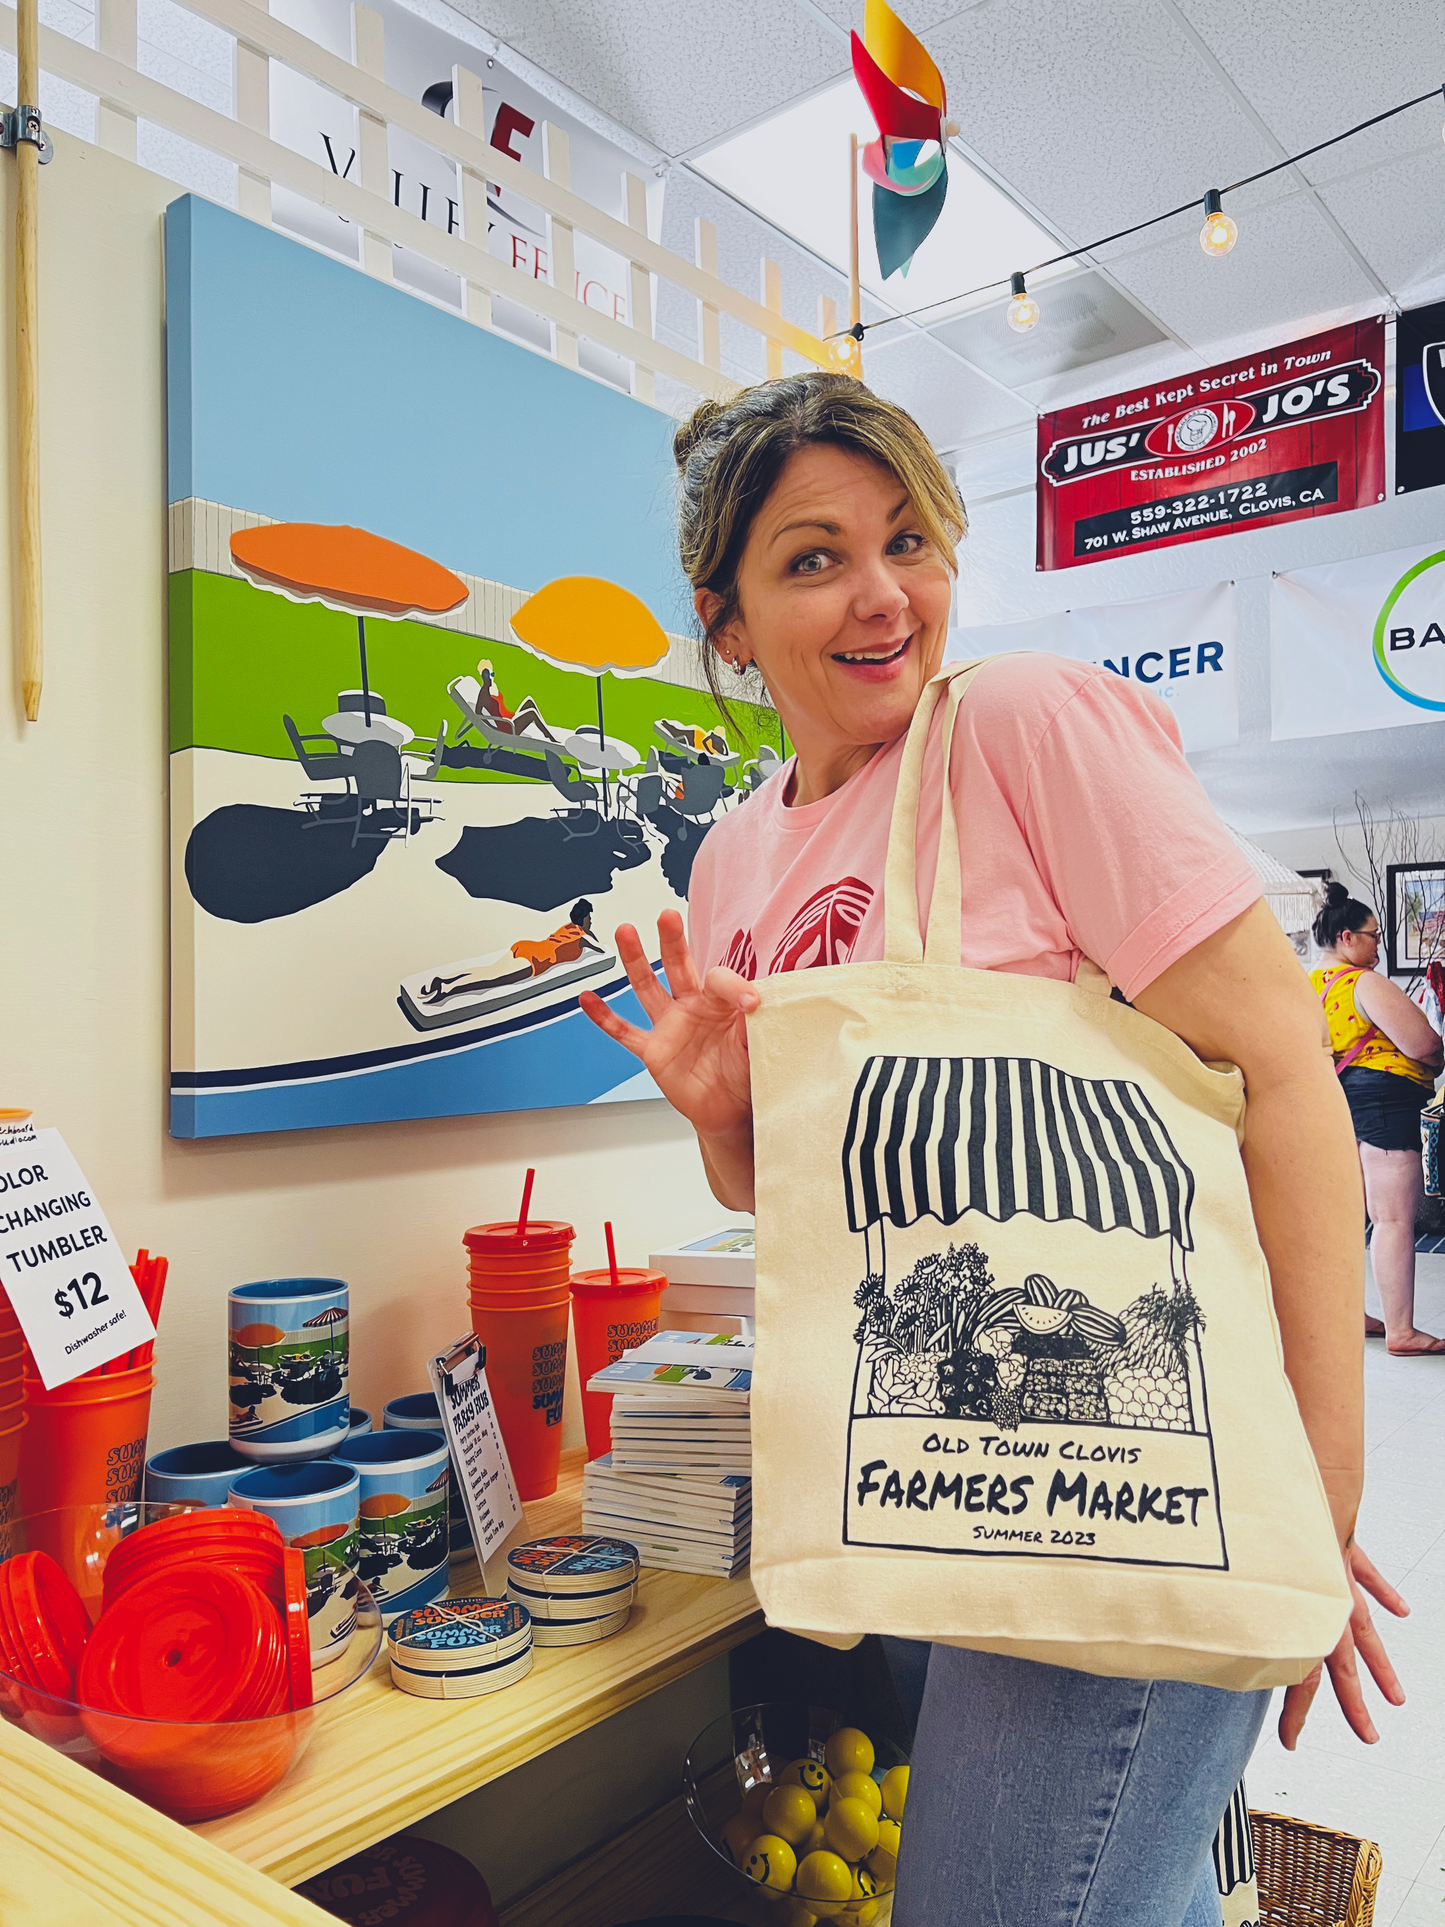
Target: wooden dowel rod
<point>27,369</point>
<point>855,304</point>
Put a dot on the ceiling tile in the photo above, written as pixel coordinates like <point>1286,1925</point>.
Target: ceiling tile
<point>1311,68</point>
<point>1390,213</point>
<point>949,401</point>
<point>670,73</point>
<point>1097,115</point>
<point>922,15</point>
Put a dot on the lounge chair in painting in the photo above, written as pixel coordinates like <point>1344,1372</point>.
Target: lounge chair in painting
<point>322,764</point>
<point>385,805</point>
<point>526,730</point>
<point>695,742</point>
<point>582,817</point>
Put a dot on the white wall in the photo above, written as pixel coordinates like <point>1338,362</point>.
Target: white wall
<point>1258,786</point>
<point>83,910</point>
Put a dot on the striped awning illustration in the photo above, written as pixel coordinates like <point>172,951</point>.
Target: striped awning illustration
<point>940,1136</point>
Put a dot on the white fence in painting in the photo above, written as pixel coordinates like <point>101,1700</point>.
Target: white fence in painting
<point>108,71</point>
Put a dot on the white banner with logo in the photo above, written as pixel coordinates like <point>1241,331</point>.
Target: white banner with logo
<point>1358,645</point>
<point>1184,648</point>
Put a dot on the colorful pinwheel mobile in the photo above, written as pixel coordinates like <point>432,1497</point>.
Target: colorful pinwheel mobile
<point>908,100</point>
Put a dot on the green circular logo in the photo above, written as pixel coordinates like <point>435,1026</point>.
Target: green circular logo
<point>1382,622</point>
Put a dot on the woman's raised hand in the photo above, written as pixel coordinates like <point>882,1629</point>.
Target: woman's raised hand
<point>697,1048</point>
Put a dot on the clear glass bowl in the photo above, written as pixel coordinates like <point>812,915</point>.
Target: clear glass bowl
<point>752,1745</point>
<point>190,1770</point>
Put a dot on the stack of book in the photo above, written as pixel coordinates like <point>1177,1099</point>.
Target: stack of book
<point>678,1480</point>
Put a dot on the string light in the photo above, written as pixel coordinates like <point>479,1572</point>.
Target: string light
<point>846,350</point>
<point>1219,234</point>
<point>1023,310</point>
<point>1212,212</point>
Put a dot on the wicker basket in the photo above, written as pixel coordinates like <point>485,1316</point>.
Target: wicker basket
<point>1312,1876</point>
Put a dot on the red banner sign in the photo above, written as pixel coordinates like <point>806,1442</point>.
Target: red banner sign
<point>1296,431</point>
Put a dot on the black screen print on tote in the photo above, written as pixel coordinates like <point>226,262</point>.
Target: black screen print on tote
<point>999,1405</point>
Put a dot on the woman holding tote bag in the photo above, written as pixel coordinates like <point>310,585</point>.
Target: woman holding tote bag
<point>1026,1386</point>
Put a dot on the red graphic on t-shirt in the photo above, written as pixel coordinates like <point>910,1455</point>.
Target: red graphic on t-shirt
<point>825,930</point>
<point>741,956</point>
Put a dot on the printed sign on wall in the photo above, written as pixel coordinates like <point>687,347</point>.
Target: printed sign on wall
<point>1420,398</point>
<point>1184,648</point>
<point>1358,645</point>
<point>1297,431</point>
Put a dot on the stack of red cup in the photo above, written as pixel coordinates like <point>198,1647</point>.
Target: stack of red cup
<point>12,1407</point>
<point>520,1302</point>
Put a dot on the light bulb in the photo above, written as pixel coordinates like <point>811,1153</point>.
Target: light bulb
<point>1022,312</point>
<point>1219,234</point>
<point>847,353</point>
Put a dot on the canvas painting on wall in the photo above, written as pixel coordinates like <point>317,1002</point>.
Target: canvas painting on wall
<point>434,728</point>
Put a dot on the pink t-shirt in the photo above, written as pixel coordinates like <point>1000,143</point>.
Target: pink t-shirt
<point>1082,831</point>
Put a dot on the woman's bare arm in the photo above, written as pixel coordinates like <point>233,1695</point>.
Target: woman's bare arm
<point>1242,996</point>
<point>1386,1006</point>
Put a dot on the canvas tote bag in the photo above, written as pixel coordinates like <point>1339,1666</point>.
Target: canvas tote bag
<point>1021,1384</point>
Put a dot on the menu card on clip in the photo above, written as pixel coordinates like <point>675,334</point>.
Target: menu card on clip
<point>60,1265</point>
<point>479,1458</point>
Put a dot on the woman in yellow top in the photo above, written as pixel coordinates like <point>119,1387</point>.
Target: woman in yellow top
<point>1388,1056</point>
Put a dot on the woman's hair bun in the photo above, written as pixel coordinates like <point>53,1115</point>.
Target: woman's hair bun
<point>698,425</point>
<point>1338,913</point>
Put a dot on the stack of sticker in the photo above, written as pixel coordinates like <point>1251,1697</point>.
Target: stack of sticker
<point>577,1589</point>
<point>460,1648</point>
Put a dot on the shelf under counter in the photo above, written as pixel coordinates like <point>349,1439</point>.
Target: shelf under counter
<point>383,1759</point>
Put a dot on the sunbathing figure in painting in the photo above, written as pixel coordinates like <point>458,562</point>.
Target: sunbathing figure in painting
<point>510,722</point>
<point>693,739</point>
<point>527,958</point>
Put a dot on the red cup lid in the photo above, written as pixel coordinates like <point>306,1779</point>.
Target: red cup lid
<point>633,1278</point>
<point>205,1530</point>
<point>50,1618</point>
<point>298,1631</point>
<point>17,1661</point>
<point>502,1238</point>
<point>270,1685</point>
<point>185,1646</point>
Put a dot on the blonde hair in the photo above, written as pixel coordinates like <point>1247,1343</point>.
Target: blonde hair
<point>729,456</point>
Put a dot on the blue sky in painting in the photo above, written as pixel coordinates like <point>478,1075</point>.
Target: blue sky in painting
<point>303,390</point>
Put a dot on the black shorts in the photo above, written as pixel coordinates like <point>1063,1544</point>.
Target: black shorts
<point>1385,1107</point>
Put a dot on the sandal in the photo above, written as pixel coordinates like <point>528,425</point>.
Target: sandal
<point>1373,1327</point>
<point>1435,1349</point>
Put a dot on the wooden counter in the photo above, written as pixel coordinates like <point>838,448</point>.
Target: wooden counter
<point>75,1849</point>
<point>382,1759</point>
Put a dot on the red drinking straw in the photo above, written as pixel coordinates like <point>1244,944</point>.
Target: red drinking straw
<point>526,1204</point>
<point>611,1254</point>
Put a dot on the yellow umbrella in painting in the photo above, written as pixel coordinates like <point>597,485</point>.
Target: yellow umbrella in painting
<point>586,624</point>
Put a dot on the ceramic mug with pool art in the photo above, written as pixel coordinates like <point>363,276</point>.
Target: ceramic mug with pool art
<point>288,1346</point>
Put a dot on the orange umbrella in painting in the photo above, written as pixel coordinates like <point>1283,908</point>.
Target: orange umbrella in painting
<point>349,570</point>
<point>583,622</point>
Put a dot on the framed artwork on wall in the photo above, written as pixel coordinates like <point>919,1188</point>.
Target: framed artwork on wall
<point>436,727</point>
<point>1415,919</point>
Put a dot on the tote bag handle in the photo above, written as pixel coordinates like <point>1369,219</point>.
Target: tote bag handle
<point>903,940</point>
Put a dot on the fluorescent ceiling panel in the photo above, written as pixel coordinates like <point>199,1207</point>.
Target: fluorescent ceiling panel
<point>793,170</point>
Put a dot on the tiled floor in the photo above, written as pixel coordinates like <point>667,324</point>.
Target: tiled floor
<point>1393,1792</point>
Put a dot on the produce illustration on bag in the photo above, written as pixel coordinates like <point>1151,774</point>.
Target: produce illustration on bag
<point>998,1407</point>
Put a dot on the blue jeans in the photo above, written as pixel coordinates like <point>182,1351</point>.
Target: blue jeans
<point>1046,1798</point>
